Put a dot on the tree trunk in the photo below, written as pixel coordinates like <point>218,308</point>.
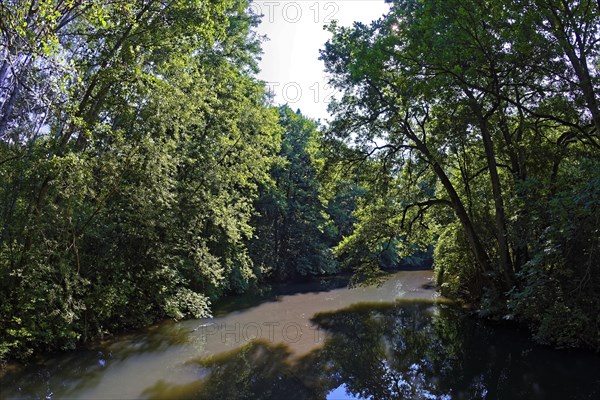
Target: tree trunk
<point>481,256</point>
<point>579,64</point>
<point>503,249</point>
<point>6,113</point>
<point>519,173</point>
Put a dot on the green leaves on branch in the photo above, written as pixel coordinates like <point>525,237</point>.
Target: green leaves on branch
<point>128,174</point>
<point>481,109</point>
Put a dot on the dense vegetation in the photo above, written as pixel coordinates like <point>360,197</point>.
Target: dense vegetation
<point>134,141</point>
<point>478,123</point>
<point>293,234</point>
<point>143,172</point>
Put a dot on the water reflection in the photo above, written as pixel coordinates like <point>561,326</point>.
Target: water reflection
<point>383,351</point>
<point>71,374</point>
<point>128,365</point>
<point>368,346</point>
<point>412,350</point>
<point>260,370</point>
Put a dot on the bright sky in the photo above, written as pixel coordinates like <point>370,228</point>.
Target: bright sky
<point>290,63</point>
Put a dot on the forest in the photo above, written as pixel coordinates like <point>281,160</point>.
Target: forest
<point>145,171</point>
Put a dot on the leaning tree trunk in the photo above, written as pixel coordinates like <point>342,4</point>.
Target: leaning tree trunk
<point>481,257</point>
<point>503,249</point>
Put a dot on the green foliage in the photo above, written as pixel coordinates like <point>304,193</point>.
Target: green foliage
<point>466,142</point>
<point>559,297</point>
<point>455,270</point>
<point>145,176</point>
<point>128,175</point>
<point>142,173</point>
<point>293,229</point>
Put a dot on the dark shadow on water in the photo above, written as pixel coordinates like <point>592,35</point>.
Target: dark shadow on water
<point>66,375</point>
<point>406,350</point>
<point>259,370</point>
<point>308,284</point>
<point>274,292</point>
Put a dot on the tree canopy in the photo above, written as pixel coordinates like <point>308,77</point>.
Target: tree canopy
<point>477,123</point>
<point>144,171</point>
<point>133,137</point>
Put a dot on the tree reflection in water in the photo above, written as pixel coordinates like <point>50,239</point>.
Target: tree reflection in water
<point>411,350</point>
<point>73,373</point>
<point>384,351</point>
<point>258,370</point>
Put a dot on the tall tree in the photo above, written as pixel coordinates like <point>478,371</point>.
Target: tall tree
<point>291,228</point>
<point>479,107</point>
<point>128,173</point>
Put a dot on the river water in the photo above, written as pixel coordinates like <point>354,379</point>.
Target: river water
<point>318,340</point>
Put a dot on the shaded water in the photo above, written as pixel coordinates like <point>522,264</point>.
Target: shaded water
<point>319,341</point>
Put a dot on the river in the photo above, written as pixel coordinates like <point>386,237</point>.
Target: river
<point>318,340</point>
